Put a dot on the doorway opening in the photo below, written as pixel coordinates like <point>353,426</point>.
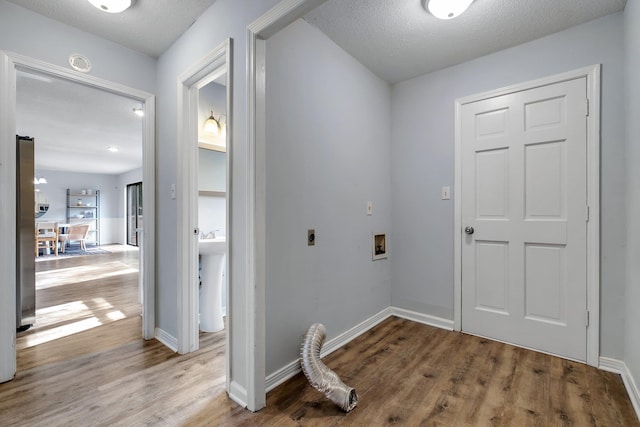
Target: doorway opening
<point>205,200</point>
<point>15,65</point>
<point>85,277</point>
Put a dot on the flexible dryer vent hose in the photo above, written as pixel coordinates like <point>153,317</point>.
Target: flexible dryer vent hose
<point>320,377</point>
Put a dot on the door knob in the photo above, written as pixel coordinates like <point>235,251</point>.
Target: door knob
<point>469,230</point>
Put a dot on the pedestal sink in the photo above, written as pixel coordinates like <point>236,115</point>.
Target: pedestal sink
<point>212,252</point>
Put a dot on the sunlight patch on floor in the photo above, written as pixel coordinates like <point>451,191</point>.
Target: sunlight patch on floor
<point>116,315</point>
<point>101,303</point>
<point>64,276</point>
<point>63,309</point>
<point>62,331</point>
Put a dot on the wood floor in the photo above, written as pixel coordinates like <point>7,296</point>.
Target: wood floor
<point>76,294</point>
<point>405,374</point>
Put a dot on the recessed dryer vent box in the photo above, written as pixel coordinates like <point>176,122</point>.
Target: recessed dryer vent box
<point>379,246</point>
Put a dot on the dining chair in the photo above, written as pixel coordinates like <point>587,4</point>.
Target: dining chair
<point>75,232</point>
<point>46,236</point>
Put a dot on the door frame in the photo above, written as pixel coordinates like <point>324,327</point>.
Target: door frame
<point>9,62</point>
<point>592,75</point>
<point>258,32</point>
<point>216,63</point>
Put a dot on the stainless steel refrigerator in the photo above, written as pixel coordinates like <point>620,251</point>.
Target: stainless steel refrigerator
<point>25,229</point>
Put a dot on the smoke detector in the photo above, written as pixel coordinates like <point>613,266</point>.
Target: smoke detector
<point>80,62</point>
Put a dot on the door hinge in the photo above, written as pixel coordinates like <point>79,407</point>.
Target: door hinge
<point>586,214</point>
<point>586,318</point>
<point>587,107</point>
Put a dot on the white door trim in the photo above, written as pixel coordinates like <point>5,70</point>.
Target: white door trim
<point>214,64</point>
<point>258,32</point>
<point>211,66</point>
<point>592,75</point>
<point>9,62</point>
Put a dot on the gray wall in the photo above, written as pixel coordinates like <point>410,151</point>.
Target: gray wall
<point>422,161</point>
<point>632,53</point>
<point>328,134</point>
<point>212,176</point>
<point>33,35</point>
<point>225,18</point>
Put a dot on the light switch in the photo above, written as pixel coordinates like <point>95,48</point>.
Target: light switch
<point>369,208</point>
<point>446,193</point>
<point>173,191</point>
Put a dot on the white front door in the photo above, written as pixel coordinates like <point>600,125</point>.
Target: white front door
<point>524,211</point>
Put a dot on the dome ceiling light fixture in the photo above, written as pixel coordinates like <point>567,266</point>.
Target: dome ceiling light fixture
<point>112,6</point>
<point>447,9</point>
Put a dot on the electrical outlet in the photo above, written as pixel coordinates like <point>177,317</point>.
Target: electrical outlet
<point>311,237</point>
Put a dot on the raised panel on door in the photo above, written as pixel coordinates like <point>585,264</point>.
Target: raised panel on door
<point>492,183</point>
<point>545,283</point>
<point>524,193</point>
<point>492,277</point>
<point>545,180</point>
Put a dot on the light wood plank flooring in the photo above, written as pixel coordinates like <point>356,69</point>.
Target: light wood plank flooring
<point>80,293</point>
<point>405,374</point>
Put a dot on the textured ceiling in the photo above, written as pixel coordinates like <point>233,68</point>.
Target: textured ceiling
<point>399,39</point>
<point>149,26</point>
<point>73,125</point>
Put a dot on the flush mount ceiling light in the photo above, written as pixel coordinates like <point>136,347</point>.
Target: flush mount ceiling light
<point>112,6</point>
<point>447,9</point>
<point>113,149</point>
<point>138,111</point>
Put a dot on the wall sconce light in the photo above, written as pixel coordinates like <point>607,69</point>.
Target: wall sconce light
<point>447,9</point>
<point>215,127</point>
<point>40,180</point>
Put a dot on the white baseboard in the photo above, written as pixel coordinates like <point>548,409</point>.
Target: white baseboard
<point>292,368</point>
<point>167,339</point>
<point>238,394</point>
<point>281,375</point>
<point>426,319</point>
<point>337,342</point>
<point>619,367</point>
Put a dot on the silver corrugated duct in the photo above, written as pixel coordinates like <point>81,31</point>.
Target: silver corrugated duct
<point>320,377</point>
